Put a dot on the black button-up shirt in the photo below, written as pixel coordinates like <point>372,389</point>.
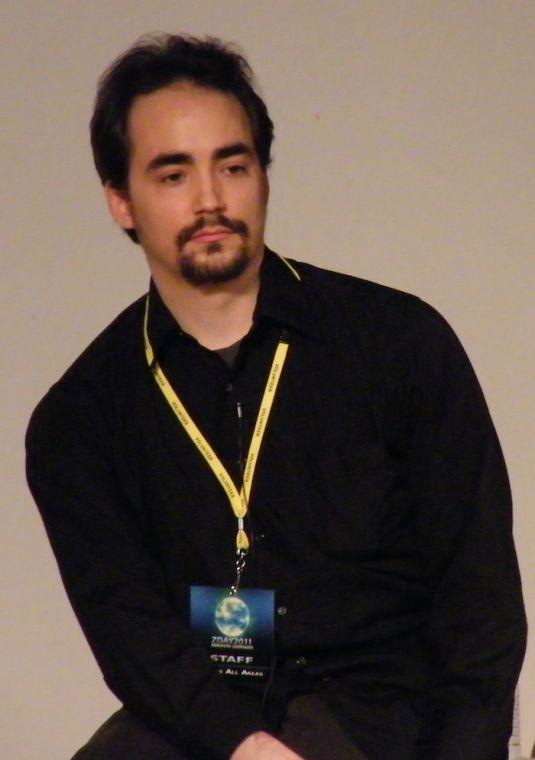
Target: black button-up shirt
<point>380,514</point>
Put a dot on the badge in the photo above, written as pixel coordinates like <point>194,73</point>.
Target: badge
<point>237,630</point>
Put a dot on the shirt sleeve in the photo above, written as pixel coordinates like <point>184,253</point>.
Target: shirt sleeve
<point>477,627</point>
<point>148,656</point>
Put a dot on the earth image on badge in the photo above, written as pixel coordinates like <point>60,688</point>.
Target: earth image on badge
<point>232,616</point>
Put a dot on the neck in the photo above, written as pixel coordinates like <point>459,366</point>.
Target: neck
<point>216,315</point>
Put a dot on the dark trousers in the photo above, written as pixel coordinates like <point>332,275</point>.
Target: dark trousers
<point>309,729</point>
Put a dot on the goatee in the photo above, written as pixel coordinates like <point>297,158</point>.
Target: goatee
<point>207,272</point>
<point>202,268</point>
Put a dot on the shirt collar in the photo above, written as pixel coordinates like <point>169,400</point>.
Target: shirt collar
<point>162,326</point>
<point>282,299</point>
<point>283,295</point>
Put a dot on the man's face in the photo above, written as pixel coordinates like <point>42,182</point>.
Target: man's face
<point>196,192</point>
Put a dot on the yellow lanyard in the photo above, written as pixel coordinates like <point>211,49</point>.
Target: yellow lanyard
<point>238,499</point>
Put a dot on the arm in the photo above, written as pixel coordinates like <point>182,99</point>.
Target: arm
<point>149,658</point>
<point>477,623</point>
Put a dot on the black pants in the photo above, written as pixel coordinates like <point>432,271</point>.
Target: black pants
<point>310,729</point>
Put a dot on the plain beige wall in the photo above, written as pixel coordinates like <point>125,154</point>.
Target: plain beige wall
<point>404,154</point>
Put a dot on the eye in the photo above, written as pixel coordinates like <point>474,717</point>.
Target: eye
<point>234,169</point>
<point>173,178</point>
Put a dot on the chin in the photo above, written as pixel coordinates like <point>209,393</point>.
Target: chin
<point>214,265</point>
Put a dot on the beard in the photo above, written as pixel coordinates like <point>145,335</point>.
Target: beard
<point>214,263</point>
<point>211,270</point>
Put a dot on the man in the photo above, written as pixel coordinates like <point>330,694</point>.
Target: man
<point>257,431</point>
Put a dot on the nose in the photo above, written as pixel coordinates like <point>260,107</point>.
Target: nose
<point>208,195</point>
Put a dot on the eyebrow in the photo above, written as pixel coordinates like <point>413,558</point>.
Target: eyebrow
<point>168,159</point>
<point>174,159</point>
<point>236,149</point>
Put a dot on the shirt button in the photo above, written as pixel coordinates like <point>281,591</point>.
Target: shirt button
<point>301,662</point>
<point>282,610</point>
<point>259,537</point>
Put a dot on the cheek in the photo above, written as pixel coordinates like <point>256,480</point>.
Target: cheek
<point>163,217</point>
<point>260,213</point>
<point>254,206</point>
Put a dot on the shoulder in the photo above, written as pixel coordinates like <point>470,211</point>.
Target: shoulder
<point>90,386</point>
<point>402,340</point>
<point>369,306</point>
<point>109,349</point>
<point>399,336</point>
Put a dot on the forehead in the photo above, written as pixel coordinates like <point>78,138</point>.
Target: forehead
<point>183,117</point>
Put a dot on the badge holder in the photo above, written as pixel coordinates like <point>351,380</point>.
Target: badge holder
<point>236,628</point>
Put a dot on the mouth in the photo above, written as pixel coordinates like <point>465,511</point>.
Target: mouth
<point>211,231</point>
<point>211,234</point>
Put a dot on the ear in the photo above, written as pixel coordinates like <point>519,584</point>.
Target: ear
<point>119,206</point>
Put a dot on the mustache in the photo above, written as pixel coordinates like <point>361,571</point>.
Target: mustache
<point>233,225</point>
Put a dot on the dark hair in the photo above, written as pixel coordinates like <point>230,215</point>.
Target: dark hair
<point>156,61</point>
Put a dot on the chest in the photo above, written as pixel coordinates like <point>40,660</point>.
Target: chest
<point>327,480</point>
